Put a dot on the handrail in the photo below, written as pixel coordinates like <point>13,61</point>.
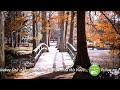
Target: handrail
<point>71,50</point>
<point>36,53</point>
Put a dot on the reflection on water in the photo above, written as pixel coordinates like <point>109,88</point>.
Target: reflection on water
<point>104,58</point>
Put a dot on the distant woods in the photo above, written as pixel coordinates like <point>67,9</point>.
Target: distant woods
<point>30,28</point>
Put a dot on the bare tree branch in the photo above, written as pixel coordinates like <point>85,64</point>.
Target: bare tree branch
<point>91,22</point>
<point>110,22</point>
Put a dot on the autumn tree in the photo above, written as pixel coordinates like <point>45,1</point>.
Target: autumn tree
<point>34,30</point>
<point>14,21</point>
<point>44,33</point>
<point>17,30</point>
<point>61,49</point>
<point>115,27</point>
<point>103,28</point>
<point>104,31</point>
<point>66,26</point>
<point>2,56</point>
<point>49,28</point>
<point>8,26</point>
<point>37,26</point>
<point>71,27</point>
<point>82,58</point>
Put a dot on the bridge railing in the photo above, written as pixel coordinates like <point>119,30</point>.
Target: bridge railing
<point>71,50</point>
<point>41,48</point>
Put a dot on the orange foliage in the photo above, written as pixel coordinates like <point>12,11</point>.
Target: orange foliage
<point>15,24</point>
<point>104,34</point>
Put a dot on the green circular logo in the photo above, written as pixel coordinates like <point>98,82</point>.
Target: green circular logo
<point>94,70</point>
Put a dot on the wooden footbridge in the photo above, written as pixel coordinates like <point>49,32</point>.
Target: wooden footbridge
<point>50,63</point>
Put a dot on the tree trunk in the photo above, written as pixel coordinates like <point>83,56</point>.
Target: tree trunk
<point>11,40</point>
<point>18,44</point>
<point>58,33</point>
<point>58,39</point>
<point>44,33</point>
<point>37,40</point>
<point>71,28</point>
<point>15,39</point>
<point>66,25</point>
<point>2,55</point>
<point>37,34</point>
<point>82,58</point>
<point>34,33</point>
<point>62,32</point>
<point>7,39</point>
<point>49,32</point>
<point>49,38</point>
